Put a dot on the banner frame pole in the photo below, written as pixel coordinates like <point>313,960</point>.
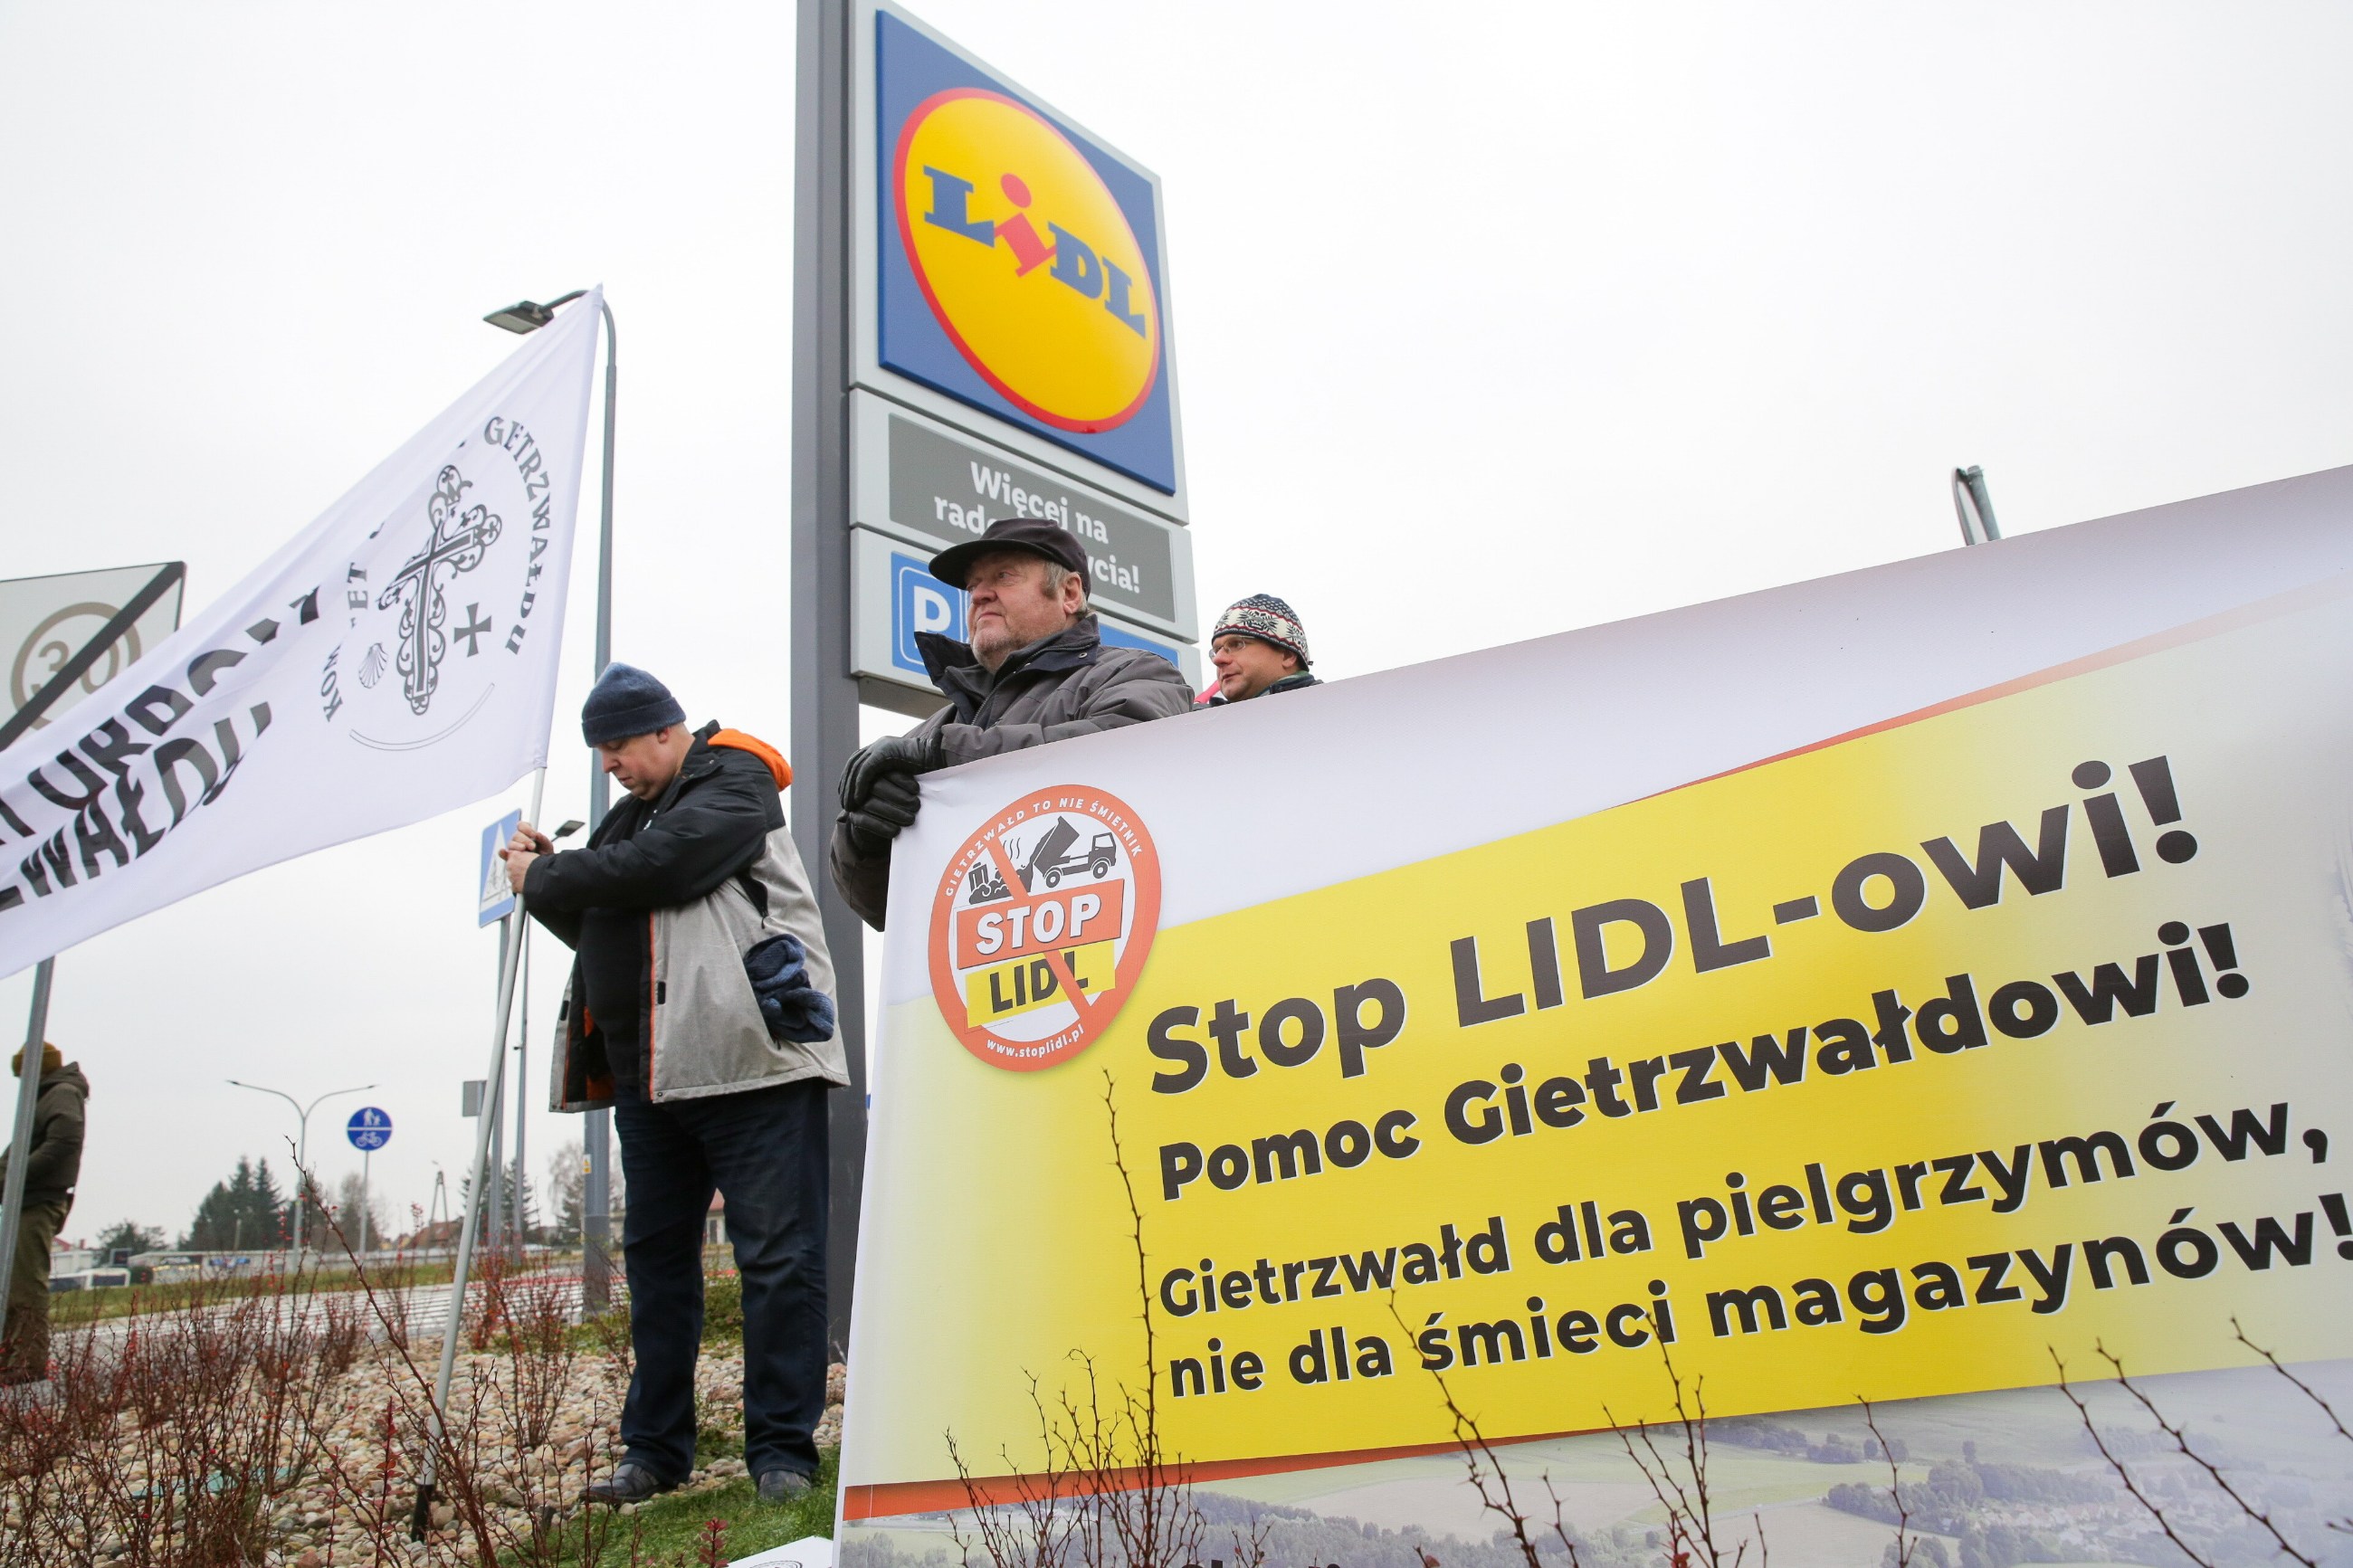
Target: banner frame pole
<point>29,1098</point>
<point>435,1429</point>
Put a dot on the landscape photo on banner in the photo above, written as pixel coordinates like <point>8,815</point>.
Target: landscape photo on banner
<point>1876,987</point>
<point>393,660</point>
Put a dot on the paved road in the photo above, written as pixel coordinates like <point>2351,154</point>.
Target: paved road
<point>426,1308</point>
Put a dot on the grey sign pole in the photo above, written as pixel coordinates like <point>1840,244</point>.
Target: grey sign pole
<point>824,692</point>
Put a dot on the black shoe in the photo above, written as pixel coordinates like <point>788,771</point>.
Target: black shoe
<point>783,1486</point>
<point>629,1482</point>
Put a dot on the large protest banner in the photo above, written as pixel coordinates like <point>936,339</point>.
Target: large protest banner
<point>1869,987</point>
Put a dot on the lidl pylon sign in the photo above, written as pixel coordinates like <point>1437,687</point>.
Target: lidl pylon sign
<point>1018,260</point>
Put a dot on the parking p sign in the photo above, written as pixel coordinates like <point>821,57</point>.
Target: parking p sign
<point>920,603</point>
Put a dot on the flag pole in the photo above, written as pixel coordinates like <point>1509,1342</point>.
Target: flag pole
<point>424,1511</point>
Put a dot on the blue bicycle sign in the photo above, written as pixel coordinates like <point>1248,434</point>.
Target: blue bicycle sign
<point>369,1127</point>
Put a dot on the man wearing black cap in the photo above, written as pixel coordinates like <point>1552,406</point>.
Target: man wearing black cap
<point>1037,670</point>
<point>699,1009</point>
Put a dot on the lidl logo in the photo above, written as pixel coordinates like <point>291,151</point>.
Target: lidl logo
<point>1027,260</point>
<point>1041,925</point>
<point>1020,261</point>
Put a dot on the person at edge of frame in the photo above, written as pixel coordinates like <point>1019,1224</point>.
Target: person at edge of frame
<point>1258,648</point>
<point>51,1171</point>
<point>687,875</point>
<point>1036,671</point>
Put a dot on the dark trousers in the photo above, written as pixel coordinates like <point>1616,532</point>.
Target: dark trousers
<point>25,1353</point>
<point>765,1151</point>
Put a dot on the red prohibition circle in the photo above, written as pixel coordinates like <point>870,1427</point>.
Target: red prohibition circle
<point>982,880</point>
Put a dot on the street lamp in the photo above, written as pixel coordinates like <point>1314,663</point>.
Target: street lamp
<point>302,1151</point>
<point>529,316</point>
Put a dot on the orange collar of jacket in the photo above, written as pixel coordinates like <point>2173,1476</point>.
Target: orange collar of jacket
<point>737,739</point>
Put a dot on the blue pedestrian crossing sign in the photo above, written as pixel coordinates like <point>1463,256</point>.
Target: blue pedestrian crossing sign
<point>369,1127</point>
<point>496,898</point>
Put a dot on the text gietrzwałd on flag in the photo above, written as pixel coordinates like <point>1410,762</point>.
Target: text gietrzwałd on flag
<point>394,660</point>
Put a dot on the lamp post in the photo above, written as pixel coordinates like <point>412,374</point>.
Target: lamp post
<point>301,1153</point>
<point>596,1205</point>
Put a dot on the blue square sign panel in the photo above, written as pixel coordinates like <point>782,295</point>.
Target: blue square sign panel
<point>1020,266</point>
<point>920,603</point>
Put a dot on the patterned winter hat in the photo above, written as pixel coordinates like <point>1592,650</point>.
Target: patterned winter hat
<point>1268,619</point>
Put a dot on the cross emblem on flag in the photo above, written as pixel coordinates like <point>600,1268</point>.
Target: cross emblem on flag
<point>456,544</point>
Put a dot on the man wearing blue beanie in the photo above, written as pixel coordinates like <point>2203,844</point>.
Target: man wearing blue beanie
<point>689,873</point>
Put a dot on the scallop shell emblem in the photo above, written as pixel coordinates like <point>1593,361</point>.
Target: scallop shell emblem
<point>372,665</point>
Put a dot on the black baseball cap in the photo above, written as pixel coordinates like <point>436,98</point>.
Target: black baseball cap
<point>953,564</point>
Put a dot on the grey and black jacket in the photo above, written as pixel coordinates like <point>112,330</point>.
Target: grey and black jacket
<point>1069,684</point>
<point>716,872</point>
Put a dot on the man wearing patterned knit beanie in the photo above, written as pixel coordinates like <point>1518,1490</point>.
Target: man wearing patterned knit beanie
<point>1256,648</point>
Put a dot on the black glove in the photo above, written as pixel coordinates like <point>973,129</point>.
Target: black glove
<point>890,807</point>
<point>901,756</point>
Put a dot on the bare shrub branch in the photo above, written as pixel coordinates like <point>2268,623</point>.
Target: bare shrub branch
<point>1904,1542</point>
<point>2124,1476</point>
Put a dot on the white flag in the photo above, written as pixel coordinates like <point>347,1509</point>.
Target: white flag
<point>394,660</point>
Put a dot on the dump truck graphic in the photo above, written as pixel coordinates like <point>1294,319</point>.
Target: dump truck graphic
<point>1052,858</point>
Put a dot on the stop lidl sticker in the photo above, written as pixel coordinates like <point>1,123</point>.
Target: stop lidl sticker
<point>1041,925</point>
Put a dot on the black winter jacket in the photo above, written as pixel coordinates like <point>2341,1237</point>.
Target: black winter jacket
<point>709,825</point>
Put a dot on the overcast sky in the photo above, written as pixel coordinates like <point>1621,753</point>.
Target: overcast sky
<point>1490,323</point>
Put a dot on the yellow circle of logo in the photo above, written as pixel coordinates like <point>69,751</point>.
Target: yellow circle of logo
<point>1027,260</point>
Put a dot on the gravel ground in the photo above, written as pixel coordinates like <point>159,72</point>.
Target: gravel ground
<point>352,1509</point>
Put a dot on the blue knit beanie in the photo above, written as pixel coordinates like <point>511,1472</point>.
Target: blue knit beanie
<point>627,701</point>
